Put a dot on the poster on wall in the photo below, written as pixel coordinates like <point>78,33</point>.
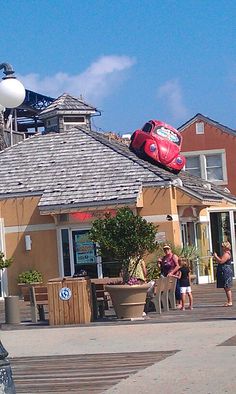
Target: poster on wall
<point>84,249</point>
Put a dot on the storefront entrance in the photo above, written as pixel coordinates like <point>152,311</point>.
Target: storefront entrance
<point>79,253</point>
<point>223,229</point>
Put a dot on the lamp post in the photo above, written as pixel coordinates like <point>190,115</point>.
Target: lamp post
<point>12,94</point>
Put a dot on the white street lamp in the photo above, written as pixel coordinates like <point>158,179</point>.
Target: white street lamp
<point>12,92</point>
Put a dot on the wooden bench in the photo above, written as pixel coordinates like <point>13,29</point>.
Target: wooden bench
<point>37,297</point>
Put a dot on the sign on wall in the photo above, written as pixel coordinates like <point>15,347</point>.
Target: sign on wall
<point>84,249</point>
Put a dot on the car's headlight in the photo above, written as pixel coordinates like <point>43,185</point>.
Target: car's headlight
<point>179,160</point>
<point>153,147</point>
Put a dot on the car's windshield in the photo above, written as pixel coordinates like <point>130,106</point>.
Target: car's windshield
<point>168,134</point>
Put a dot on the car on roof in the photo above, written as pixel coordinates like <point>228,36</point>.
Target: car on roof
<point>159,142</point>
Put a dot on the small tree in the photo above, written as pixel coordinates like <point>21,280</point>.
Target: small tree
<point>4,263</point>
<point>124,237</point>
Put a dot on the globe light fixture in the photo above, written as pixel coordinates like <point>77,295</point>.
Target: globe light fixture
<point>12,92</point>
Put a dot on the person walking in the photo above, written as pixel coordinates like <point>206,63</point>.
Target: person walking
<point>184,282</point>
<point>224,273</point>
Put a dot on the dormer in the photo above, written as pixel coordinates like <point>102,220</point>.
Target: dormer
<point>67,112</point>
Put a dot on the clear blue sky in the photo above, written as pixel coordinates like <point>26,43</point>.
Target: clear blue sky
<point>134,60</point>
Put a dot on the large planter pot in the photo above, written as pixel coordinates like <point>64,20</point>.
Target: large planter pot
<point>128,301</point>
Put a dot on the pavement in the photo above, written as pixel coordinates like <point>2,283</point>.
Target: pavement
<point>200,365</point>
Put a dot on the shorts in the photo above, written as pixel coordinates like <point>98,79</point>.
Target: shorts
<point>184,290</point>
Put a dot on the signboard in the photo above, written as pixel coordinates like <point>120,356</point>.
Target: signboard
<point>84,248</point>
<point>88,216</point>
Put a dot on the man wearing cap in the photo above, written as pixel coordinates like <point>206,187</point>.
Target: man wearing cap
<point>169,263</point>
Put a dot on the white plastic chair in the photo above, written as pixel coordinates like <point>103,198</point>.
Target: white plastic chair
<point>157,294</point>
<point>171,287</point>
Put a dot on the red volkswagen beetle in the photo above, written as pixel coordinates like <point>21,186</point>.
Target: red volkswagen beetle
<point>159,142</point>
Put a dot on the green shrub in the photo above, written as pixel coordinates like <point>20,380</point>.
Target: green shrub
<point>30,276</point>
<point>4,263</point>
<point>124,237</point>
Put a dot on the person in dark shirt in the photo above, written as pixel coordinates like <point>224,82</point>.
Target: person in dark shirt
<point>184,282</point>
<point>224,273</point>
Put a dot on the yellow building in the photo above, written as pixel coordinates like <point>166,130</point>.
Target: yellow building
<point>54,185</point>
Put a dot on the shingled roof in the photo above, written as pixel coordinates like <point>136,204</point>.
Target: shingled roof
<point>83,168</point>
<point>65,102</point>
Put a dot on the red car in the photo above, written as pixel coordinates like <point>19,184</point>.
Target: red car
<point>159,142</point>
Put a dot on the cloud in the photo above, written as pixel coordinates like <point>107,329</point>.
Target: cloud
<point>171,92</point>
<point>95,83</point>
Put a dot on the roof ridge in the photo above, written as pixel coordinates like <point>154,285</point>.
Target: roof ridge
<point>209,120</point>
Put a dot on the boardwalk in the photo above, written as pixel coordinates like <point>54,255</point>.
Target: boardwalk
<point>208,305</point>
<point>91,373</point>
<point>95,373</point>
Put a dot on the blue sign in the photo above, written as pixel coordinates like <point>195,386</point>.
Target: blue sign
<point>65,293</point>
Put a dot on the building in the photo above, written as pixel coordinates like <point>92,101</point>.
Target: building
<point>54,185</point>
<point>209,148</point>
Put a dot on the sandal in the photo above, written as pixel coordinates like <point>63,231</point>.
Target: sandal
<point>228,304</point>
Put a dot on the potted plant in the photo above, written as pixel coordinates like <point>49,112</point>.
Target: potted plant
<point>125,238</point>
<point>29,277</point>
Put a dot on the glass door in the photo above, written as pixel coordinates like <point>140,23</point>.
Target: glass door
<point>84,253</point>
<point>223,229</point>
<point>78,253</point>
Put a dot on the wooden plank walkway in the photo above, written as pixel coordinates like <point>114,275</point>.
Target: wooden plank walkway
<point>97,372</point>
<point>91,373</point>
<point>208,305</point>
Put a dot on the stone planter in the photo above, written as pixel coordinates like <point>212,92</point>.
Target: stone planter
<point>128,301</point>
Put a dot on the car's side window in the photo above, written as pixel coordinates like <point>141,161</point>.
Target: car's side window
<point>147,127</point>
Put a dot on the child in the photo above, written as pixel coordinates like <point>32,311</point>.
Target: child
<point>177,289</point>
<point>184,282</point>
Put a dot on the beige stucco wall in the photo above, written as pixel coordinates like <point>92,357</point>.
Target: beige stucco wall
<point>158,203</point>
<point>21,217</point>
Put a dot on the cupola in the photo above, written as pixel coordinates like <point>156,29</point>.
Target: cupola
<point>67,112</point>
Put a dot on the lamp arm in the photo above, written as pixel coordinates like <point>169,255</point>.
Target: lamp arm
<point>8,69</point>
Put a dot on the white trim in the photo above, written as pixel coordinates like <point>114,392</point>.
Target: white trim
<point>2,236</point>
<point>203,152</point>
<point>199,127</point>
<point>221,209</point>
<point>60,253</point>
<point>160,218</point>
<point>28,228</point>
<point>202,159</point>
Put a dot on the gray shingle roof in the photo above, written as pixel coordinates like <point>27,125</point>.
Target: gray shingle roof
<point>65,102</point>
<point>82,167</point>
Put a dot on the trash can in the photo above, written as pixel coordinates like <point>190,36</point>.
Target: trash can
<point>70,301</point>
<point>12,310</point>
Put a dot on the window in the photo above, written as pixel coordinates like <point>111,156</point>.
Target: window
<point>199,128</point>
<point>147,127</point>
<point>214,168</point>
<point>74,119</point>
<point>209,165</point>
<point>193,165</point>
